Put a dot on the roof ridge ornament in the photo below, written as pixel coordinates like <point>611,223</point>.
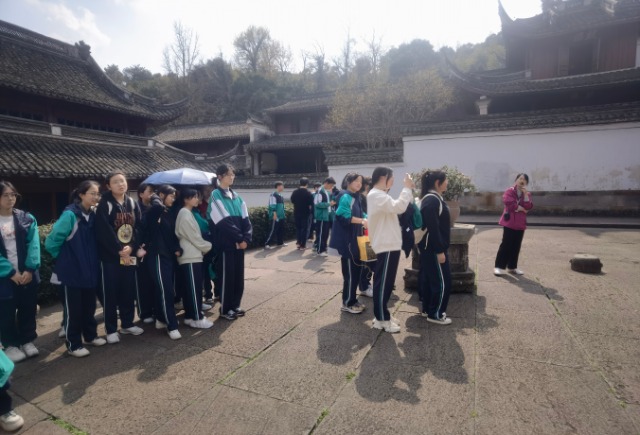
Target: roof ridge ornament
<point>84,50</point>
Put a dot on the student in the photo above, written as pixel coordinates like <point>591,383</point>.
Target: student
<point>517,203</point>
<point>19,276</point>
<point>162,248</point>
<point>321,209</point>
<point>116,219</point>
<point>386,240</point>
<point>302,201</point>
<point>366,289</point>
<point>350,223</point>
<point>435,286</point>
<point>277,217</point>
<point>193,247</point>
<point>312,219</point>
<point>200,214</point>
<point>9,420</point>
<point>231,230</point>
<point>72,243</point>
<point>145,286</point>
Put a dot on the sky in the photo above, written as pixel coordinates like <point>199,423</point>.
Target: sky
<point>136,32</point>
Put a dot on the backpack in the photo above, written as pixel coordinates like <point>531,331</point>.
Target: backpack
<point>420,233</point>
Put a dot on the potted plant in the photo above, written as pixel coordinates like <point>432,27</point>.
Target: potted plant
<point>459,184</point>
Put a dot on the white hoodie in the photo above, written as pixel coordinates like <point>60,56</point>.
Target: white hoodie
<point>382,215</point>
<point>191,241</point>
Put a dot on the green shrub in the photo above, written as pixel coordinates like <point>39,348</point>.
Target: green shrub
<point>48,293</point>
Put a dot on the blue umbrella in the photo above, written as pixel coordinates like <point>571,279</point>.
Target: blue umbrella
<point>185,176</point>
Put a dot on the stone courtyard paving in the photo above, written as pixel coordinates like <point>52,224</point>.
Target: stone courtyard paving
<point>552,352</point>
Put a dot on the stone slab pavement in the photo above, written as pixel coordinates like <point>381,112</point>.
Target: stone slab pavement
<point>552,352</point>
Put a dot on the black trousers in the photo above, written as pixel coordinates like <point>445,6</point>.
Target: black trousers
<point>509,249</point>
<point>322,235</point>
<point>436,284</point>
<point>18,315</point>
<point>79,316</point>
<point>5,400</point>
<point>162,272</point>
<point>276,233</point>
<point>192,275</point>
<point>368,269</point>
<point>206,278</point>
<point>144,291</point>
<point>384,278</point>
<point>302,230</point>
<point>230,269</point>
<point>351,272</point>
<point>118,295</point>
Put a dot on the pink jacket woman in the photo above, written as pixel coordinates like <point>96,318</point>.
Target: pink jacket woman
<point>513,199</point>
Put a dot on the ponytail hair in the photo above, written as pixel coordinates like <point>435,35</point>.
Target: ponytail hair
<point>82,189</point>
<point>429,179</point>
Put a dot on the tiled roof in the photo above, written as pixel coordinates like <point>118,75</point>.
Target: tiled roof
<point>38,65</point>
<point>191,133</point>
<point>308,140</point>
<point>29,149</point>
<point>575,116</point>
<point>504,82</point>
<point>571,16</point>
<point>310,102</point>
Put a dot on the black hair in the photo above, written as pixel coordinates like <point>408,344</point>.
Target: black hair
<point>429,179</point>
<point>82,189</point>
<point>304,182</point>
<point>522,174</point>
<point>315,185</point>
<point>188,193</point>
<point>166,189</point>
<point>329,180</point>
<point>278,183</point>
<point>350,178</point>
<point>142,187</point>
<point>112,174</point>
<point>214,181</point>
<point>224,169</point>
<point>379,172</point>
<point>5,185</point>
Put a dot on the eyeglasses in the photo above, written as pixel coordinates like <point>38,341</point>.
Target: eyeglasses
<point>11,195</point>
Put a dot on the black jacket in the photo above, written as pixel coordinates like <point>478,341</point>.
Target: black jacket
<point>116,227</point>
<point>437,224</point>
<point>302,201</point>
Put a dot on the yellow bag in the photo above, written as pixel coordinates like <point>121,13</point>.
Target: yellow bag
<point>364,245</point>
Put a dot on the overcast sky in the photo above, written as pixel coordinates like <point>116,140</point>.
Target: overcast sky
<point>135,32</point>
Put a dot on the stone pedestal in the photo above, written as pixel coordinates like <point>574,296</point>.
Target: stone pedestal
<point>462,278</point>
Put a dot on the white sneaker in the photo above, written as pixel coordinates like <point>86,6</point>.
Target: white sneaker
<point>178,306</point>
<point>444,320</point>
<point>30,350</point>
<point>62,333</point>
<point>206,307</point>
<point>11,421</point>
<point>515,271</point>
<point>147,320</point>
<point>201,324</point>
<point>268,247</point>
<point>499,272</point>
<point>133,330</point>
<point>97,342</point>
<point>160,325</point>
<point>387,325</point>
<point>175,334</point>
<point>15,354</point>
<point>113,338</point>
<point>368,292</point>
<point>324,254</point>
<point>79,352</point>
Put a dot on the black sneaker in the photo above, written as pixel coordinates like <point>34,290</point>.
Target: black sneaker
<point>229,315</point>
<point>239,312</point>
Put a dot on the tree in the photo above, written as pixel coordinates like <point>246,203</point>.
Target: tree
<point>250,46</point>
<point>180,58</point>
<point>409,58</point>
<point>344,63</point>
<point>113,72</point>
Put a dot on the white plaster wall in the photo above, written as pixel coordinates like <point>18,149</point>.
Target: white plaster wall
<point>592,158</point>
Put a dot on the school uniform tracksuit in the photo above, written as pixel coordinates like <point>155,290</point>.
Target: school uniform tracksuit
<point>72,243</point>
<point>344,240</point>
<point>162,244</point>
<point>230,225</point>
<point>18,303</point>
<point>145,286</point>
<point>276,206</point>
<point>386,241</point>
<point>115,229</point>
<point>435,279</point>
<point>321,211</point>
<point>193,247</point>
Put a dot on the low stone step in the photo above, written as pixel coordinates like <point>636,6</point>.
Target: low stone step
<point>585,263</point>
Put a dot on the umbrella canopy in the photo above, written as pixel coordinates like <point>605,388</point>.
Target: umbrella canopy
<point>185,176</point>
